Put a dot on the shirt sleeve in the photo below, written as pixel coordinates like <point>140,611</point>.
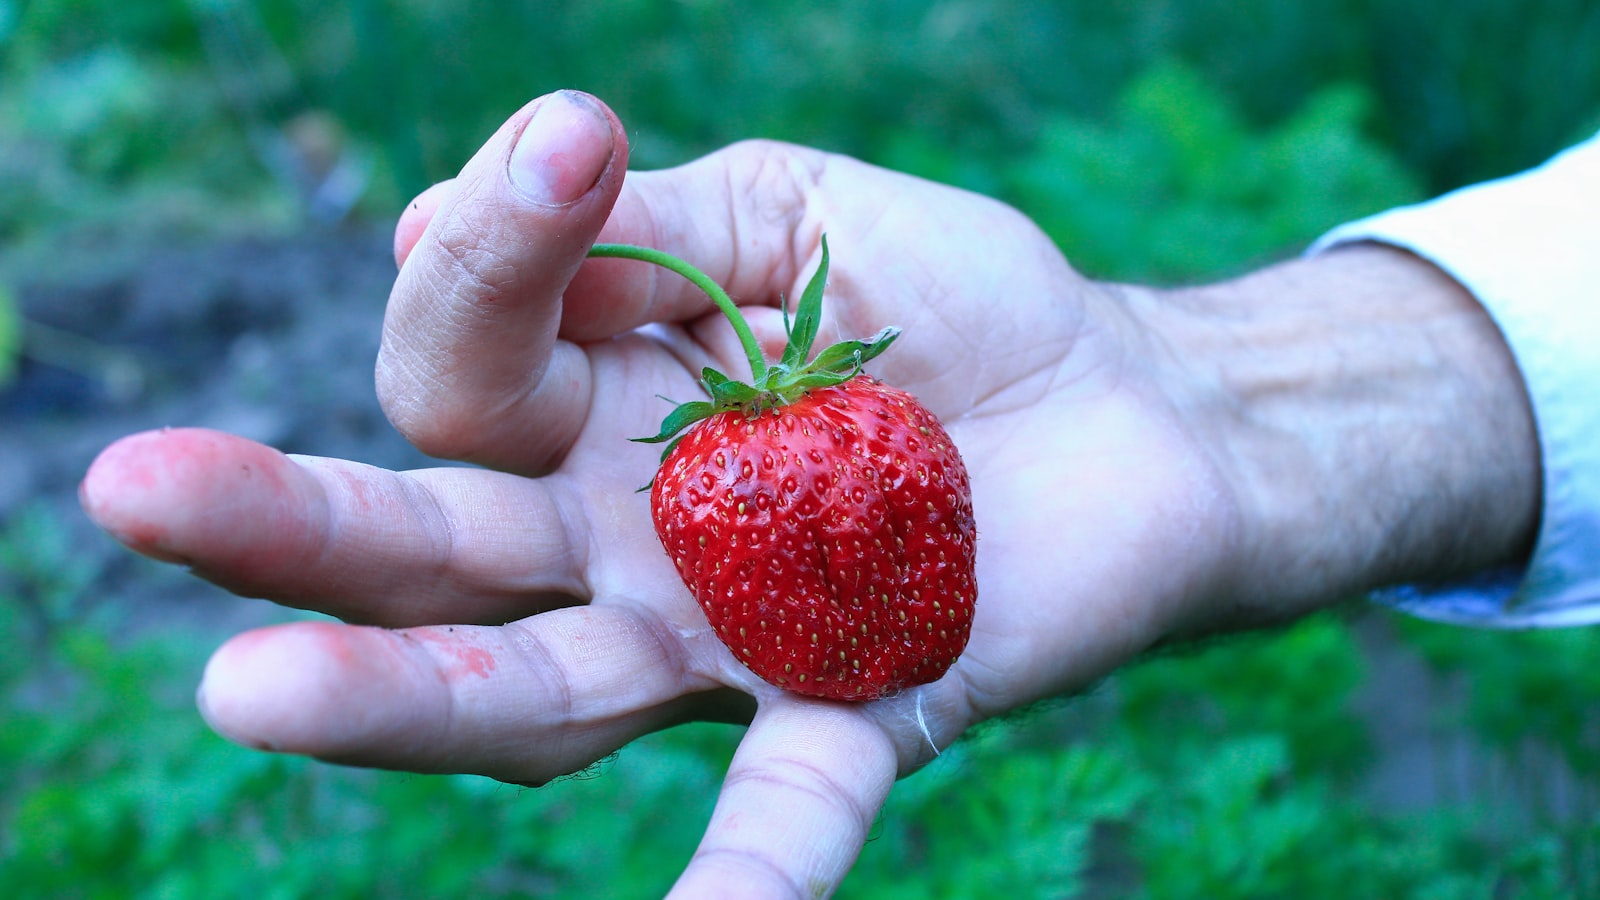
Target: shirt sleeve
<point>1528,247</point>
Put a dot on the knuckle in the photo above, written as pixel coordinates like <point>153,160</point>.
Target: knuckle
<point>784,176</point>
<point>758,874</point>
<point>466,264</point>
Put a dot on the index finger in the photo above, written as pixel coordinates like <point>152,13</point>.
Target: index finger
<point>362,543</point>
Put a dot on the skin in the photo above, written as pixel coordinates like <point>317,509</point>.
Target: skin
<point>1148,466</point>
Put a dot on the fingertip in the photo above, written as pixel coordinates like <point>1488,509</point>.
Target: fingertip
<point>294,688</point>
<point>222,695</point>
<point>414,220</point>
<point>538,190</point>
<point>131,487</point>
<point>223,504</point>
<point>567,144</point>
<point>743,215</point>
<point>98,492</point>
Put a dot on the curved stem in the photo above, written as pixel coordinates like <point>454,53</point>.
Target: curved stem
<point>747,338</point>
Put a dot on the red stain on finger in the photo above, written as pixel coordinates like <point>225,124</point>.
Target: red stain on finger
<point>475,660</point>
<point>460,658</point>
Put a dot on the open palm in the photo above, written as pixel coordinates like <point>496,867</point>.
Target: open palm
<point>520,620</point>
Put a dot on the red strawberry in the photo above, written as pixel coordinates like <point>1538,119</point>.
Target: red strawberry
<point>822,519</point>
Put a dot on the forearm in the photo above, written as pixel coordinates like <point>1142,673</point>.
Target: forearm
<point>1371,420</point>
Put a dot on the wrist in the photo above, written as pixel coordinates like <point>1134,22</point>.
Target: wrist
<point>1370,419</point>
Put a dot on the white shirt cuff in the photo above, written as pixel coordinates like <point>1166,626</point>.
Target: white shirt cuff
<point>1528,247</point>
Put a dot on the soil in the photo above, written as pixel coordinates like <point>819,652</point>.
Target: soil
<point>272,339</point>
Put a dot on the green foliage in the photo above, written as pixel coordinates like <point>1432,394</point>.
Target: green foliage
<point>992,820</point>
<point>114,135</point>
<point>101,100</point>
<point>1522,687</point>
<point>1176,186</point>
<point>39,569</point>
<point>1314,669</point>
<point>1228,772</point>
<point>10,334</point>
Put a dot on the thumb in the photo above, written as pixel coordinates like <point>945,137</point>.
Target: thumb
<point>469,366</point>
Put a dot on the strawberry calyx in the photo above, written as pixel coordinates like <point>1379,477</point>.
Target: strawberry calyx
<point>771,384</point>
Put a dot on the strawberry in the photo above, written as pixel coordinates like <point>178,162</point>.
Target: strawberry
<point>821,518</point>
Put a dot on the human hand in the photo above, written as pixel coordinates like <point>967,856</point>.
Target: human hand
<point>1110,515</point>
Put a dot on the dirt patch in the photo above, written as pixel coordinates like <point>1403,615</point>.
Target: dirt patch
<point>272,339</point>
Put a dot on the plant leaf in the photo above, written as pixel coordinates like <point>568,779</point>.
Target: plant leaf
<point>728,394</point>
<point>685,415</point>
<point>849,356</point>
<point>725,392</point>
<point>808,316</point>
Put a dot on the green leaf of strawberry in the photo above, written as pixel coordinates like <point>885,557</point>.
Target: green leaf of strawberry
<point>808,315</point>
<point>822,519</point>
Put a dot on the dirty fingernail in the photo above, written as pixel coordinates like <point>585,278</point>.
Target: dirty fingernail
<point>562,151</point>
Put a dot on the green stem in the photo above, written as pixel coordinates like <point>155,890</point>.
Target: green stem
<point>747,338</point>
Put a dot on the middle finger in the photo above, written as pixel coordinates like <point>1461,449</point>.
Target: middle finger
<point>525,702</point>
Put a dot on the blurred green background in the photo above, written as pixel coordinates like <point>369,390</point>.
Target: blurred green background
<point>1357,754</point>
